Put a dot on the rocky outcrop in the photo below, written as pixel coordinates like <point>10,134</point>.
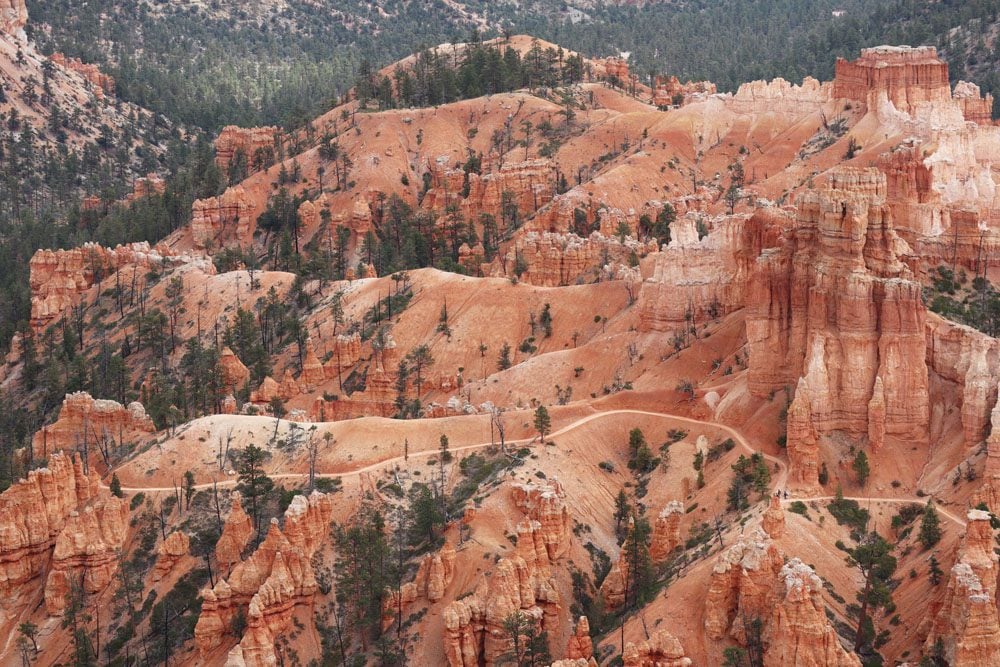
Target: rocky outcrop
<point>551,259</point>
<point>580,645</point>
<point>58,278</point>
<point>967,624</point>
<point>258,146</point>
<point>103,83</point>
<point>86,550</point>
<point>666,531</point>
<point>92,424</point>
<point>798,632</point>
<point>545,503</point>
<point>228,218</point>
<point>802,443</point>
<point>751,581</point>
<point>976,107</point>
<point>773,521</point>
<point>269,584</point>
<point>743,585</point>
<point>175,547</point>
<point>779,96</point>
<point>13,17</point>
<point>989,492</point>
<point>313,373</point>
<point>699,279</point>
<point>236,534</point>
<point>33,513</point>
<point>614,68</point>
<point>434,575</point>
<point>837,306</point>
<point>235,374</point>
<point>905,76</point>
<point>669,91</point>
<point>523,582</point>
<point>660,650</point>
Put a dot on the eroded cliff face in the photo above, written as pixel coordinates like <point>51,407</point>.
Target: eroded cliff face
<point>103,83</point>
<point>88,423</point>
<point>906,76</point>
<point>172,550</point>
<point>59,278</point>
<point>967,624</point>
<point>236,534</point>
<point>86,550</point>
<point>59,520</point>
<point>269,584</point>
<point>474,632</point>
<point>258,146</point>
<point>223,220</point>
<point>837,308</point>
<point>666,531</point>
<point>660,650</point>
<point>799,632</point>
<point>551,259</point>
<point>694,280</point>
<point>751,580</point>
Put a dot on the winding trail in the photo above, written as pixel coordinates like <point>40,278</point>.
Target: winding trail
<point>778,481</point>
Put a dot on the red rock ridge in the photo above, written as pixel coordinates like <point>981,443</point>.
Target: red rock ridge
<point>103,83</point>
<point>660,650</point>
<point>87,550</point>
<point>84,420</point>
<point>269,584</point>
<point>904,75</point>
<point>522,582</point>
<point>668,88</point>
<point>218,221</point>
<point>258,145</point>
<point>751,581</point>
<point>58,278</point>
<point>34,511</point>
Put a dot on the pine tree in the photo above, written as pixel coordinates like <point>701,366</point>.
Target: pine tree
<point>543,423</point>
<point>861,467</point>
<point>930,526</point>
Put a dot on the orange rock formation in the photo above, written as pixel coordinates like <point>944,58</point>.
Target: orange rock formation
<point>666,531</point>
<point>236,534</point>
<point>172,549</point>
<point>34,512</point>
<point>58,278</point>
<point>218,221</point>
<point>13,17</point>
<point>86,550</point>
<point>86,422</point>
<point>834,311</point>
<point>258,145</point>
<point>269,584</point>
<point>967,623</point>
<point>523,582</point>
<point>660,650</point>
<point>103,83</point>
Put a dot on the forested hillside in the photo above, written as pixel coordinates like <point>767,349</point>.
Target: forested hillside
<point>280,63</point>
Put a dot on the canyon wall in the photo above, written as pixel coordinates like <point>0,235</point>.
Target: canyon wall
<point>59,520</point>
<point>837,308</point>
<point>58,278</point>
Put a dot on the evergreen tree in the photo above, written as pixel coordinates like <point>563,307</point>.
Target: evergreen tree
<point>930,526</point>
<point>543,423</point>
